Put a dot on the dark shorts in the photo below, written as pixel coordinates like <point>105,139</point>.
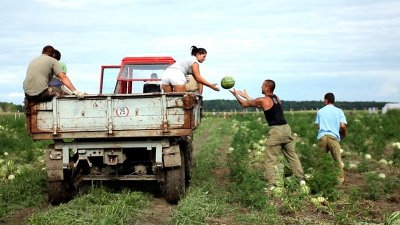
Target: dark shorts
<point>45,95</point>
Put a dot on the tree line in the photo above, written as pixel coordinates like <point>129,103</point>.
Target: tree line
<point>10,107</point>
<point>233,105</point>
<point>222,105</point>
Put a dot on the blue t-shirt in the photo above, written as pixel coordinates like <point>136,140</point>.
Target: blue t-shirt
<point>329,119</point>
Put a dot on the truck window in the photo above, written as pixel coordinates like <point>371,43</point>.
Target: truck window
<point>132,77</point>
<point>109,80</point>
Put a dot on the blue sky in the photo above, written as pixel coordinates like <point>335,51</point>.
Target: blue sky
<point>309,47</point>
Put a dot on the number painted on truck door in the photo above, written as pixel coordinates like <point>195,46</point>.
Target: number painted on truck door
<point>122,111</point>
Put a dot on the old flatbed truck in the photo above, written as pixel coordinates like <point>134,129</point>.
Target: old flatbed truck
<point>124,135</point>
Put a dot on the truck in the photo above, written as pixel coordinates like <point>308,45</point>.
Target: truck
<point>131,131</point>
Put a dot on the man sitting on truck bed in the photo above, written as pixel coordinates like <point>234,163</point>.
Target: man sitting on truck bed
<point>39,73</point>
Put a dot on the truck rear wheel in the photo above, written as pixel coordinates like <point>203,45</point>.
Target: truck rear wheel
<point>188,151</point>
<point>174,186</point>
<point>57,192</point>
<point>58,180</point>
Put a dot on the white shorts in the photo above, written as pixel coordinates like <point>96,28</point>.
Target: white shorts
<point>172,76</point>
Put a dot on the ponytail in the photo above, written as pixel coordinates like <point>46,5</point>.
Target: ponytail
<point>196,51</point>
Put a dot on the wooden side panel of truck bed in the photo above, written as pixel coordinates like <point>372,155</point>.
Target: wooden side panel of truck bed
<point>97,116</point>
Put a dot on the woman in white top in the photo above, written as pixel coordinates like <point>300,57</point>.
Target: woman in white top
<point>174,77</point>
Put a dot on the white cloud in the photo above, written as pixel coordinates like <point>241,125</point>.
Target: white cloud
<point>8,78</point>
<point>305,42</point>
<point>62,3</point>
<point>15,95</point>
<point>76,4</point>
<point>388,87</point>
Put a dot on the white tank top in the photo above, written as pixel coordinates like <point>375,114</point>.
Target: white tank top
<point>185,66</point>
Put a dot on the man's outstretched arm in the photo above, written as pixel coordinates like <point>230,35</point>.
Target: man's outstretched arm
<point>342,130</point>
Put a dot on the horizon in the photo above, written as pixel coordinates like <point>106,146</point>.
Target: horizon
<point>281,99</point>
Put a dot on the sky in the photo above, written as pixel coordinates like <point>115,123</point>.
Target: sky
<point>308,47</point>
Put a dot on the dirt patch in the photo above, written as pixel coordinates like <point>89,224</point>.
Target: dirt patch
<point>352,180</point>
<point>19,217</point>
<point>222,173</point>
<point>158,213</point>
<point>199,141</point>
<point>222,177</point>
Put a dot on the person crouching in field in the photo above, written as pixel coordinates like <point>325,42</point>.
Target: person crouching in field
<point>279,135</point>
<point>331,124</point>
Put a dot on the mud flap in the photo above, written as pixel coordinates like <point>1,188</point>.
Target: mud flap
<point>172,156</point>
<point>54,164</point>
<point>174,187</point>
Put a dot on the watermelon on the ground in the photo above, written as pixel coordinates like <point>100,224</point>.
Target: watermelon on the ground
<point>393,219</point>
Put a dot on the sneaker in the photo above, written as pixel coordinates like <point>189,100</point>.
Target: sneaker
<point>302,182</point>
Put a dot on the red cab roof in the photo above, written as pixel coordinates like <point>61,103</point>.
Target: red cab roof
<point>148,60</point>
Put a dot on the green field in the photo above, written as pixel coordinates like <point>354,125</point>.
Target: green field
<point>227,185</point>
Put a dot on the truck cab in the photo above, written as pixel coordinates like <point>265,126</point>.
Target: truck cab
<point>134,74</point>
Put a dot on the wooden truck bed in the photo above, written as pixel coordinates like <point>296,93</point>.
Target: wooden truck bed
<point>115,115</point>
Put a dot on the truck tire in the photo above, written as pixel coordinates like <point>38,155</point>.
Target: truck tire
<point>57,192</point>
<point>188,152</point>
<point>58,185</point>
<point>174,186</point>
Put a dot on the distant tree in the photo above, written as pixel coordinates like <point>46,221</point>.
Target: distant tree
<point>9,107</point>
<point>223,105</point>
<point>232,105</point>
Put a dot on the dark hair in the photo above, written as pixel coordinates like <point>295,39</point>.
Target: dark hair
<point>330,97</point>
<point>57,54</point>
<point>196,50</point>
<point>271,84</point>
<point>48,50</point>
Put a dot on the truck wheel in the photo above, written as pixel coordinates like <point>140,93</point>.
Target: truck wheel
<point>57,192</point>
<point>188,150</point>
<point>174,187</point>
<point>58,180</point>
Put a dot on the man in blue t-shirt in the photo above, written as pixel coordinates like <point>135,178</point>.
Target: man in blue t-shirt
<point>331,124</point>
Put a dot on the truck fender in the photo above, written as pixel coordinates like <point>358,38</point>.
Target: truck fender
<point>171,156</point>
<point>54,164</point>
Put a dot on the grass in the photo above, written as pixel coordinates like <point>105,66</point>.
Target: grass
<point>22,158</point>
<point>204,199</point>
<point>247,186</point>
<point>374,134</point>
<point>26,190</point>
<point>16,141</point>
<point>98,206</point>
<point>209,202</point>
<point>242,200</point>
